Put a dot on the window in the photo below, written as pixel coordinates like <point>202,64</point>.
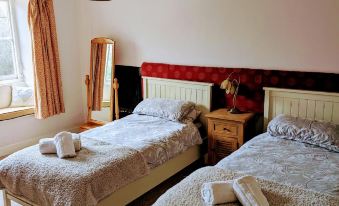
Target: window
<point>11,70</point>
<point>108,67</point>
<point>9,52</point>
<point>108,76</point>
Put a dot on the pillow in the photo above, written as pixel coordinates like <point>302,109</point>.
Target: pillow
<point>5,96</point>
<point>174,110</point>
<point>22,96</point>
<point>322,134</point>
<point>191,116</point>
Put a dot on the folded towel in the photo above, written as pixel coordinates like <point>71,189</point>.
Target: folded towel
<point>64,145</point>
<point>47,146</point>
<point>218,192</point>
<point>76,141</point>
<point>248,192</point>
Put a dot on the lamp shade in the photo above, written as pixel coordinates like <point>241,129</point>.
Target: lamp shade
<point>224,84</point>
<point>231,87</point>
<point>228,86</point>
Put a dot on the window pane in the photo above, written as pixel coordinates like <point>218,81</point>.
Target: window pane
<point>108,66</point>
<point>5,30</point>
<point>3,9</point>
<point>6,58</point>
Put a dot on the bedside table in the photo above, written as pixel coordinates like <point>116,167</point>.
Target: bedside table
<point>90,125</point>
<point>226,133</point>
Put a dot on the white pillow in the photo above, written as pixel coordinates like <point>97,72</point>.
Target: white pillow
<point>322,134</point>
<point>5,96</point>
<point>174,110</point>
<point>22,96</point>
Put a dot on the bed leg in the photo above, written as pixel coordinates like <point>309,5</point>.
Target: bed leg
<point>7,202</point>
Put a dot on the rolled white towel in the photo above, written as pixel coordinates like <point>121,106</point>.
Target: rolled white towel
<point>248,192</point>
<point>218,192</point>
<point>76,141</point>
<point>47,146</point>
<point>64,145</point>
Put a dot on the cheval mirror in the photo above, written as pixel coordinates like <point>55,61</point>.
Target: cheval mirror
<point>101,84</point>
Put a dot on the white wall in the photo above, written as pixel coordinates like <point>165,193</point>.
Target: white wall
<point>25,130</point>
<point>273,34</point>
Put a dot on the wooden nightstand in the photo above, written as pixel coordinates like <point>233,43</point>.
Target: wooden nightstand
<point>226,133</point>
<point>90,125</point>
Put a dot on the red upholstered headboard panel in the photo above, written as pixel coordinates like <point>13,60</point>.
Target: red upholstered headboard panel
<point>251,94</point>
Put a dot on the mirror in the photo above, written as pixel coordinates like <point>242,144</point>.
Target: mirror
<point>102,94</point>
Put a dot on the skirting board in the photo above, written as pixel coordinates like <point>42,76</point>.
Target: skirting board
<point>9,149</point>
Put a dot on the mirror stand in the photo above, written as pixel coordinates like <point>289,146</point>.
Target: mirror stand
<point>101,85</point>
<point>92,123</point>
<point>116,99</point>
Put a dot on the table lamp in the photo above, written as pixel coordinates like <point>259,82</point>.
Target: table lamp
<point>231,87</point>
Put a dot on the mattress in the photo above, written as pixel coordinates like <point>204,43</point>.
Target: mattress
<point>288,162</point>
<point>157,139</point>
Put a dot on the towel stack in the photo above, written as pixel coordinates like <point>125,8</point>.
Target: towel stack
<point>245,189</point>
<point>64,144</point>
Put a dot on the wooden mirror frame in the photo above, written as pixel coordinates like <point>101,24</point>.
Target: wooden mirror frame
<point>114,103</point>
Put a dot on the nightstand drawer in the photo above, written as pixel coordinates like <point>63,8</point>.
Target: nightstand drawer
<point>226,129</point>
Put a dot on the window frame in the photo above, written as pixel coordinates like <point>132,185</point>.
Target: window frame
<point>18,69</point>
<point>18,76</point>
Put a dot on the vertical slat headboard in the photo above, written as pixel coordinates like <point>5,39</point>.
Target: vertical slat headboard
<point>197,92</point>
<point>323,106</point>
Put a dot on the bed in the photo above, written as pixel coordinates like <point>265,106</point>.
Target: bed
<point>289,172</point>
<point>167,147</point>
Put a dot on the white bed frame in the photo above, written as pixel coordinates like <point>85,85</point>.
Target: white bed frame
<point>197,92</point>
<point>322,106</point>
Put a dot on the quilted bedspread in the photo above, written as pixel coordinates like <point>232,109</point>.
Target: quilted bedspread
<point>157,139</point>
<point>287,161</point>
<point>98,170</point>
<point>187,192</point>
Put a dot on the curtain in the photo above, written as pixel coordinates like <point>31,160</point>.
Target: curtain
<point>47,77</point>
<point>99,66</point>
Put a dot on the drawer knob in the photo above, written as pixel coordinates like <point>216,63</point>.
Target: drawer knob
<point>225,129</point>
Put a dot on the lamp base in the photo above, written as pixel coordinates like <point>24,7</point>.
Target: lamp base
<point>235,111</point>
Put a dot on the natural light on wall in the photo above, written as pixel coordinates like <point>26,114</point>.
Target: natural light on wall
<point>16,97</point>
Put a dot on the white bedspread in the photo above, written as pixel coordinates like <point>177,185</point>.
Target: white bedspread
<point>188,191</point>
<point>98,170</point>
<point>112,156</point>
<point>157,139</point>
<point>287,161</point>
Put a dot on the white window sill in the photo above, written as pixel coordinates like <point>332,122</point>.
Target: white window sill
<point>13,82</point>
<point>10,113</point>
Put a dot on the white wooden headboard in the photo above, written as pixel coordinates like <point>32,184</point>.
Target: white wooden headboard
<point>197,92</point>
<point>323,106</point>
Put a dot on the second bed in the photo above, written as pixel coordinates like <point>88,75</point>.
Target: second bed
<point>289,172</point>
